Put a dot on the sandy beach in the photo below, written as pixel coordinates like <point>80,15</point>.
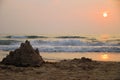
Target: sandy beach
<point>64,70</point>
<point>55,68</point>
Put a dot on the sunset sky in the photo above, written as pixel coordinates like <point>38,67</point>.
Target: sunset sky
<point>59,17</point>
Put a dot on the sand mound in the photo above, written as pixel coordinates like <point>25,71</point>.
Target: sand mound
<point>25,55</point>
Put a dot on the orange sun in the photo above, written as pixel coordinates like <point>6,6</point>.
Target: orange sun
<point>105,14</point>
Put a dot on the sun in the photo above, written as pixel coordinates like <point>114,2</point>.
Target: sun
<point>105,14</point>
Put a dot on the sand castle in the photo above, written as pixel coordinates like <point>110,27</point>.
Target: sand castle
<point>25,55</point>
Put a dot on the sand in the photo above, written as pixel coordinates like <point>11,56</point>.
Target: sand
<point>63,70</point>
<point>57,56</point>
<point>99,56</point>
<point>55,68</point>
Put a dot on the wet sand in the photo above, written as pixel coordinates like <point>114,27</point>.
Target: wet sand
<point>95,56</point>
<point>57,56</point>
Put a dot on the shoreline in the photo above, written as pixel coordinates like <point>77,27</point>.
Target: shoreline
<point>58,56</point>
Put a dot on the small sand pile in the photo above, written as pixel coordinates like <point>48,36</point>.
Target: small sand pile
<point>25,56</point>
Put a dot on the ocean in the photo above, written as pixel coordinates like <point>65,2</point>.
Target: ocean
<point>56,48</point>
<point>81,43</point>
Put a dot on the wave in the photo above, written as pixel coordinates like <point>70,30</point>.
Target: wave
<point>24,37</point>
<point>80,49</point>
<point>36,37</point>
<point>71,37</point>
<point>64,45</point>
<point>67,48</point>
<point>8,42</point>
<point>15,37</point>
<point>72,42</point>
<point>61,42</point>
<point>8,47</point>
<point>71,45</point>
<point>69,42</point>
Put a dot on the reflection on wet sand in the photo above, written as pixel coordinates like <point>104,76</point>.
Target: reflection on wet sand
<point>60,56</point>
<point>104,56</point>
<point>94,56</point>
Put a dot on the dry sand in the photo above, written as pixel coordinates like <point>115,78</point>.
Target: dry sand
<point>64,70</point>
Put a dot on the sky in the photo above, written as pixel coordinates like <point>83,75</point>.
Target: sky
<point>59,17</point>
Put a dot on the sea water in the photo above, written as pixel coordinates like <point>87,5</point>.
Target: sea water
<point>65,44</point>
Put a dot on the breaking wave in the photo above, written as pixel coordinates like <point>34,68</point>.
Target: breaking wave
<point>65,45</point>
